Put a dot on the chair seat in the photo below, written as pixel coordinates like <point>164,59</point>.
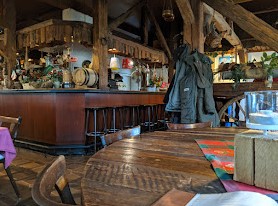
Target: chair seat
<point>1,157</point>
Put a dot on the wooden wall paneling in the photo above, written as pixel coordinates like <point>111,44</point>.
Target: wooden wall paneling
<point>93,99</point>
<point>68,33</point>
<point>42,35</point>
<point>19,41</point>
<point>47,34</point>
<point>43,111</point>
<point>70,118</point>
<point>37,41</point>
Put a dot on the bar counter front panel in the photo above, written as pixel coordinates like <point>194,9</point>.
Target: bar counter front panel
<point>57,117</point>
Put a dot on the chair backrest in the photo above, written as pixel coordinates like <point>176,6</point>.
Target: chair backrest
<point>53,175</point>
<point>12,123</point>
<point>173,126</point>
<point>113,137</point>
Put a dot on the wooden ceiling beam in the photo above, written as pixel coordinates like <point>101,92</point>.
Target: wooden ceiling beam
<point>247,21</point>
<point>240,1</point>
<point>85,7</point>
<point>222,26</point>
<point>61,4</point>
<point>266,11</point>
<point>185,10</point>
<point>119,20</point>
<point>159,33</point>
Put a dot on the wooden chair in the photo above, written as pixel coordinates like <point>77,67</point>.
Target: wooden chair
<point>13,124</point>
<point>53,175</point>
<point>173,126</point>
<point>113,137</point>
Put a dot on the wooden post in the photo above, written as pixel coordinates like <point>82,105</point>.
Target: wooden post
<point>8,21</point>
<point>100,41</point>
<point>193,32</point>
<point>243,57</point>
<point>197,27</point>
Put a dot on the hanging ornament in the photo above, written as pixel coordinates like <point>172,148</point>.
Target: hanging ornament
<point>168,13</point>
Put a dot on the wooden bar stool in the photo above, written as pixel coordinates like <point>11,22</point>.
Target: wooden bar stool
<point>132,116</point>
<point>149,122</point>
<point>95,133</point>
<point>113,127</point>
<point>162,117</point>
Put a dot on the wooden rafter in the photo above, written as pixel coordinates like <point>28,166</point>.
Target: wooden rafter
<point>159,33</point>
<point>185,10</point>
<point>115,23</point>
<point>61,4</point>
<point>247,21</point>
<point>240,1</point>
<point>79,5</point>
<point>222,26</point>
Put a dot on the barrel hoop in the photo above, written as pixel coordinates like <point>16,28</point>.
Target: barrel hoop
<point>87,75</point>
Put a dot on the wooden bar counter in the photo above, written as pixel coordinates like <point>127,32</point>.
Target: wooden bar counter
<point>57,117</point>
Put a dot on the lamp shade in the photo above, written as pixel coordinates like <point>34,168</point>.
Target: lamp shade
<point>114,63</point>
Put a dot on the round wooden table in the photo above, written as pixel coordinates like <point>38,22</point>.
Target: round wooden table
<point>138,171</point>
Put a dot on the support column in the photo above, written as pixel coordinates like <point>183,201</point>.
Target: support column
<point>100,41</point>
<point>193,32</point>
<point>8,47</point>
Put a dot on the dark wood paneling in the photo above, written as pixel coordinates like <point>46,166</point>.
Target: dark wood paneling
<point>93,99</point>
<point>70,118</point>
<point>58,118</point>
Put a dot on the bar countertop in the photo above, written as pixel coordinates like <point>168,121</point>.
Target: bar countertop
<point>72,90</point>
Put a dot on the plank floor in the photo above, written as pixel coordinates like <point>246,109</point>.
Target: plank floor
<point>25,168</point>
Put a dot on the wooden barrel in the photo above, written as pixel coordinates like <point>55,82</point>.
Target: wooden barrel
<point>83,76</point>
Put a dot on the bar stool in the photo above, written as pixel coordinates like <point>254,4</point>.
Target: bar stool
<point>113,127</point>
<point>95,133</point>
<point>150,121</point>
<point>132,111</point>
<point>162,118</point>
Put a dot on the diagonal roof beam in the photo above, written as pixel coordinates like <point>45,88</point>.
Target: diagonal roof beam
<point>223,27</point>
<point>61,4</point>
<point>119,20</point>
<point>185,10</point>
<point>247,21</point>
<point>85,7</point>
<point>159,33</point>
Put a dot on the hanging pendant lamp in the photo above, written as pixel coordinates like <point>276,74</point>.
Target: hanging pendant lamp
<point>168,13</point>
<point>114,63</point>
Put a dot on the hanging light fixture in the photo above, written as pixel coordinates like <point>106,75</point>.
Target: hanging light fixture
<point>115,63</point>
<point>168,13</point>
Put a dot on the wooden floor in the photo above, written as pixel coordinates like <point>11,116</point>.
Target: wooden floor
<point>25,168</point>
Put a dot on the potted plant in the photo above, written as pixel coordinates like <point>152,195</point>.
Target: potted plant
<point>269,63</point>
<point>56,76</point>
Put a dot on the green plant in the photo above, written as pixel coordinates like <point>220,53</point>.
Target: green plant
<point>237,75</point>
<point>269,63</point>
